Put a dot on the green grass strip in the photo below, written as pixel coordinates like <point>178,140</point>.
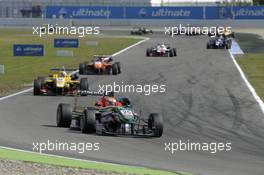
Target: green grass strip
<point>20,71</point>
<point>11,154</point>
<point>253,66</point>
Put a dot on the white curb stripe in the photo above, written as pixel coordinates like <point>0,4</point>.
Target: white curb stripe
<point>250,87</point>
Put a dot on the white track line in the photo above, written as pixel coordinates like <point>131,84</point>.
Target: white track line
<point>15,94</point>
<point>250,87</point>
<point>125,49</point>
<point>64,157</point>
<point>115,54</point>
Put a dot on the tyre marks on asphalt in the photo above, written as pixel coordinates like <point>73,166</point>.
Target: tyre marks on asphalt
<point>238,117</point>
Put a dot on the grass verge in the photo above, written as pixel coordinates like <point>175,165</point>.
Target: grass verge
<point>20,71</point>
<point>253,66</point>
<point>252,63</point>
<point>11,154</point>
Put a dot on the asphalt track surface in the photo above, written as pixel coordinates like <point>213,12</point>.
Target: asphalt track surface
<point>206,101</point>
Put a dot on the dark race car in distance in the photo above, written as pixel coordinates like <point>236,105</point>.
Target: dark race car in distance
<point>225,33</point>
<point>140,31</point>
<point>161,50</point>
<point>219,43</point>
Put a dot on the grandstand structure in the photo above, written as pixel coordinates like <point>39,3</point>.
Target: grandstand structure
<point>36,8</point>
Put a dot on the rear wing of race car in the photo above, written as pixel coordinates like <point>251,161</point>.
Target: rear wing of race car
<point>166,44</point>
<point>69,71</point>
<point>93,93</point>
<point>63,69</point>
<point>104,56</point>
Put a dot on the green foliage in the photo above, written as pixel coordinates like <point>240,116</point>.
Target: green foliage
<point>258,2</point>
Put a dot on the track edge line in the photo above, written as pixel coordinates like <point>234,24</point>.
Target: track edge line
<point>250,87</point>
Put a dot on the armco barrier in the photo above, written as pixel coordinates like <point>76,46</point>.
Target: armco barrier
<point>103,12</point>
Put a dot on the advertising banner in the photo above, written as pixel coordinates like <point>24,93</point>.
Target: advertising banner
<point>28,50</point>
<point>66,43</point>
<point>105,12</point>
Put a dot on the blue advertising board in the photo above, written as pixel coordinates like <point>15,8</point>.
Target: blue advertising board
<point>219,12</point>
<point>236,12</point>
<point>66,43</point>
<point>84,12</point>
<point>28,50</point>
<point>96,12</point>
<point>249,12</point>
<point>104,12</point>
<point>164,12</point>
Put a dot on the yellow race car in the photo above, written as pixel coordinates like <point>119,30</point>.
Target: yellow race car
<point>61,82</point>
<point>226,33</point>
<point>229,33</point>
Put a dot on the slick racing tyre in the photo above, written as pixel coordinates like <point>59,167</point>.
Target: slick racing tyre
<point>208,46</point>
<point>82,69</point>
<point>114,69</point>
<point>228,45</point>
<point>37,87</point>
<point>84,86</point>
<point>118,67</point>
<point>88,121</point>
<point>148,52</point>
<point>175,51</point>
<point>155,123</point>
<point>64,115</point>
<point>171,53</point>
<point>42,79</point>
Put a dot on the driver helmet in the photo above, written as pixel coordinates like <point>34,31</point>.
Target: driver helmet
<point>110,94</point>
<point>109,101</point>
<point>63,74</point>
<point>99,59</point>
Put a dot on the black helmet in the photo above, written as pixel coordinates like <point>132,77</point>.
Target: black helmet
<point>110,94</point>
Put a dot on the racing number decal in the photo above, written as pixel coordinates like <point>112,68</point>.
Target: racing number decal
<point>126,112</point>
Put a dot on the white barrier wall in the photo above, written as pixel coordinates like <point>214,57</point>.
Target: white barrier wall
<point>120,22</point>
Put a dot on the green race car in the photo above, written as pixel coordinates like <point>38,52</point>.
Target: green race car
<point>110,120</point>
